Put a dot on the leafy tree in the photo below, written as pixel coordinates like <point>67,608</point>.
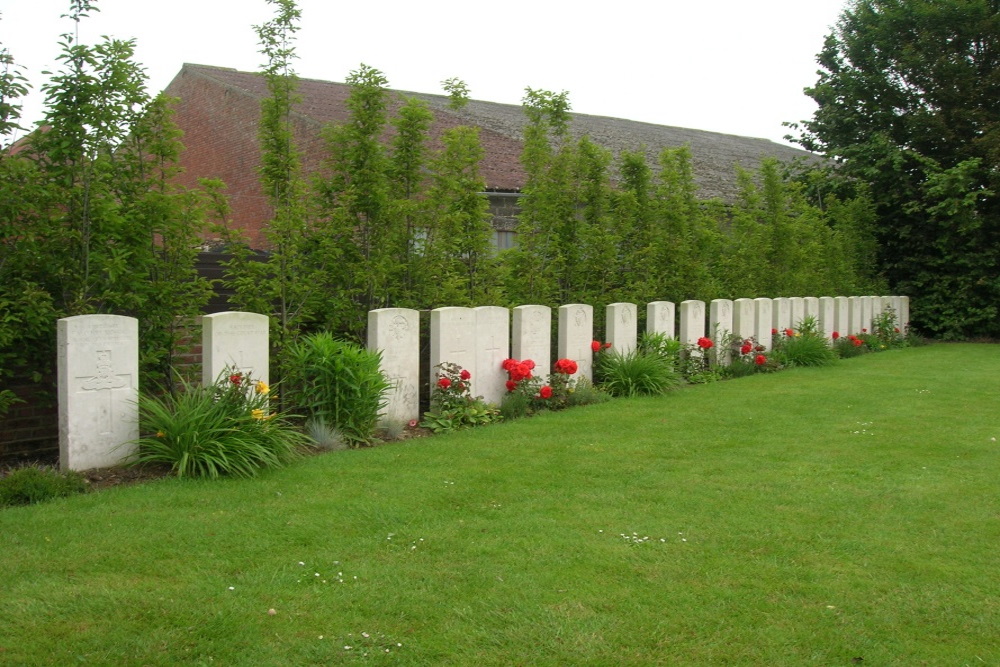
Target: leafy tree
<point>406,187</point>
<point>284,284</point>
<point>598,248</point>
<point>907,103</point>
<point>96,225</point>
<point>547,222</point>
<point>354,201</point>
<point>461,223</point>
<point>685,240</point>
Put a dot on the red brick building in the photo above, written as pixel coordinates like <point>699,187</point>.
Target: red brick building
<point>218,110</point>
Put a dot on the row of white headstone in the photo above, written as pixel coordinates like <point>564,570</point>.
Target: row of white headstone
<point>98,354</point>
<point>480,339</point>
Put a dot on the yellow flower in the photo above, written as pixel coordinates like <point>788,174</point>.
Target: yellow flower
<point>257,413</point>
<point>160,434</point>
<point>262,387</point>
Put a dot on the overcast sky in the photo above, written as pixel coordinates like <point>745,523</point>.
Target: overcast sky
<point>733,66</point>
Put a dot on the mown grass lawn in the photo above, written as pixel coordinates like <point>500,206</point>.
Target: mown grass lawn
<point>805,517</point>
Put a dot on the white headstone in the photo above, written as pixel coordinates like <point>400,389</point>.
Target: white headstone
<point>812,308</point>
<point>660,318</point>
<point>621,324</point>
<point>854,313</point>
<point>781,313</point>
<point>841,315</point>
<point>765,316</point>
<point>744,318</point>
<point>453,340</point>
<point>866,314</point>
<point>492,347</point>
<point>896,303</point>
<point>877,306</point>
<point>576,333</point>
<point>532,335</point>
<point>720,325</point>
<point>797,310</point>
<point>98,385</point>
<point>396,333</point>
<point>827,317</point>
<point>237,341</point>
<point>692,321</point>
<point>904,314</point>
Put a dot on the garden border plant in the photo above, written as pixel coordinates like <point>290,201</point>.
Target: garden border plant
<point>227,428</point>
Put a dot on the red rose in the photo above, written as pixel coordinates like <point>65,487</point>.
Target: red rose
<point>529,363</point>
<point>465,375</point>
<point>511,385</point>
<point>565,366</point>
<point>760,360</point>
<point>236,378</point>
<point>508,364</point>
<point>545,392</point>
<point>835,335</point>
<point>444,383</point>
<point>774,332</point>
<point>746,348</point>
<point>789,332</point>
<point>595,346</point>
<point>607,345</point>
<point>760,348</point>
<point>705,343</point>
<point>864,331</point>
<point>858,342</point>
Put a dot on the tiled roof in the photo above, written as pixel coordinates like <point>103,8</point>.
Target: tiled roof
<point>714,155</point>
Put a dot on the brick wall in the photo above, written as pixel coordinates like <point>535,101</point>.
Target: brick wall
<point>220,138</point>
<point>30,430</point>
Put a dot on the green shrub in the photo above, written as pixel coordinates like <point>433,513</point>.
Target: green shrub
<point>636,373</point>
<point>338,382</point>
<point>30,485</point>
<point>224,429</point>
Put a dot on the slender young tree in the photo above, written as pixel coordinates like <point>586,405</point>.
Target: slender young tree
<point>353,199</point>
<point>536,267</point>
<point>284,284</point>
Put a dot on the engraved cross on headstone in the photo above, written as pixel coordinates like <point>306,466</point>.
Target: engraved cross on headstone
<point>105,380</point>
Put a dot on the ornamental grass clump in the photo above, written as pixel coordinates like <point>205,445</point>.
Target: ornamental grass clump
<point>636,373</point>
<point>224,429</point>
<point>338,383</point>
